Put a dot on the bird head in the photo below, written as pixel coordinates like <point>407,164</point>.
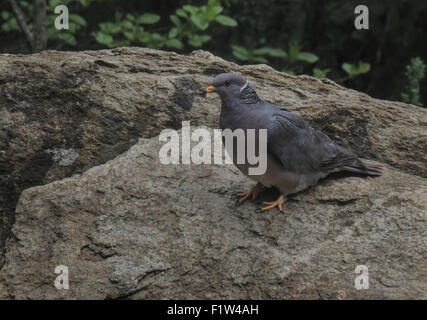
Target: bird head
<point>227,85</point>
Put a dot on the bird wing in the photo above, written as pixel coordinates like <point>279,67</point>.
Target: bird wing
<point>301,148</point>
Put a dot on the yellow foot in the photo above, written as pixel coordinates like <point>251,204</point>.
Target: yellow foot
<point>272,204</point>
<point>254,192</point>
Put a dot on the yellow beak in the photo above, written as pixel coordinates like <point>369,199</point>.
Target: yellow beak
<point>210,89</point>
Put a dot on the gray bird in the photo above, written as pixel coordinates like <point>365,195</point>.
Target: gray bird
<point>298,156</point>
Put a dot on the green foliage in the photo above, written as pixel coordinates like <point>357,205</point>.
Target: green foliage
<point>272,52</point>
<point>226,21</point>
<point>76,22</point>
<point>128,29</point>
<point>256,55</point>
<point>352,70</point>
<point>295,54</point>
<point>316,37</point>
<point>188,23</point>
<point>321,73</point>
<point>294,60</point>
<point>148,18</point>
<point>297,59</point>
<point>415,72</point>
<point>290,60</point>
<point>10,23</point>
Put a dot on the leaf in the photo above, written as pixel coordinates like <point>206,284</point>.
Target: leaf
<point>193,41</point>
<point>55,3</point>
<point>173,32</point>
<point>214,11</point>
<point>67,37</point>
<point>103,38</point>
<point>175,20</point>
<point>144,37</point>
<point>307,57</point>
<point>363,67</point>
<point>199,21</point>
<point>11,24</point>
<point>294,51</point>
<point>5,15</point>
<point>191,9</point>
<point>240,49</point>
<point>213,3</point>
<point>110,27</point>
<point>204,38</point>
<point>198,40</point>
<point>174,43</point>
<point>349,68</point>
<point>156,36</point>
<point>181,13</point>
<point>240,56</point>
<point>260,59</point>
<point>78,19</point>
<point>273,52</point>
<point>288,71</point>
<point>130,17</point>
<point>148,18</point>
<point>352,70</point>
<point>118,17</point>
<point>128,25</point>
<point>240,53</point>
<point>129,35</point>
<point>72,28</point>
<point>85,3</point>
<point>319,73</point>
<point>226,21</point>
<point>405,97</point>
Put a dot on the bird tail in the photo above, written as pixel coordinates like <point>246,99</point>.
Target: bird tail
<point>364,166</point>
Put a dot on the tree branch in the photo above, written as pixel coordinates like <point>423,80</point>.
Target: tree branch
<point>39,31</point>
<point>19,16</point>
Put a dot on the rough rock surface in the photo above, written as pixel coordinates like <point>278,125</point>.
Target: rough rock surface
<point>62,113</point>
<point>135,228</point>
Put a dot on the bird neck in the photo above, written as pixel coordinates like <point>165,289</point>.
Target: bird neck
<point>238,114</point>
<point>248,95</point>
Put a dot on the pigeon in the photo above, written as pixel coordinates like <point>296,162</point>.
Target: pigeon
<point>298,156</point>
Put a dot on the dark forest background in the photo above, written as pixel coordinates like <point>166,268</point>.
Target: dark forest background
<point>315,37</point>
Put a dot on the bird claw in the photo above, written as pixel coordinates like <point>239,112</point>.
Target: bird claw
<point>254,192</point>
<point>272,204</point>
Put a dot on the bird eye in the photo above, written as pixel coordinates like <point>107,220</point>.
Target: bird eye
<point>227,83</point>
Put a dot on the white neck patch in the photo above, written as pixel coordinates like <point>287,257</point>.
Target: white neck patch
<point>245,85</point>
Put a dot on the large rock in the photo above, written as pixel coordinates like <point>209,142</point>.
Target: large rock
<point>62,113</point>
<point>134,228</point>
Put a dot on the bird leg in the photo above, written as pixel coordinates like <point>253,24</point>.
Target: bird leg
<point>278,203</point>
<point>254,192</point>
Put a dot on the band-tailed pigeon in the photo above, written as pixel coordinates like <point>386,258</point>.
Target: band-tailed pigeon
<point>297,154</point>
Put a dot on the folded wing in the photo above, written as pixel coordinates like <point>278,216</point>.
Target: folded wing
<point>303,149</point>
